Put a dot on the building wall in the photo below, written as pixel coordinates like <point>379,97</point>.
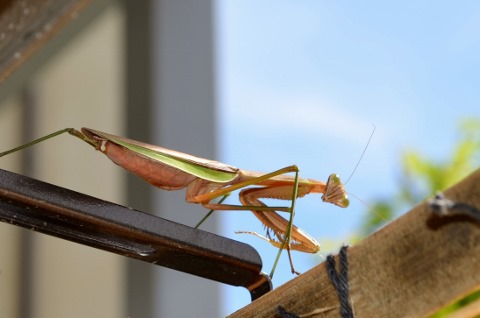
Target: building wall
<point>81,85</point>
<point>140,70</point>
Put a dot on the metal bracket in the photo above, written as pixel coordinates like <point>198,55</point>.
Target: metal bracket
<point>80,218</point>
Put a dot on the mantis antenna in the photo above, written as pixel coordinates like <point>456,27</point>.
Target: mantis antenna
<point>363,153</point>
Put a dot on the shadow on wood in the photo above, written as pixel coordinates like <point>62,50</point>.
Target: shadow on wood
<point>406,269</point>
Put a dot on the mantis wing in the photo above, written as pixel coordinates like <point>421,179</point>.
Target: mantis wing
<point>209,170</point>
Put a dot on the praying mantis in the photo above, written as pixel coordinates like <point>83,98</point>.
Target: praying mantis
<point>207,180</point>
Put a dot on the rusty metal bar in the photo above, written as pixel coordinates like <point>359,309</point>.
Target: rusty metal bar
<point>76,217</point>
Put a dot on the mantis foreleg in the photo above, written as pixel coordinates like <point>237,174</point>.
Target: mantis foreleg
<point>249,198</point>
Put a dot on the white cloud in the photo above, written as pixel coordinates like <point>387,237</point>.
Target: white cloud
<point>305,115</point>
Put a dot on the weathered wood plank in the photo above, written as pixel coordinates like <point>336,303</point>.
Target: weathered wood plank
<point>407,269</point>
<point>25,26</point>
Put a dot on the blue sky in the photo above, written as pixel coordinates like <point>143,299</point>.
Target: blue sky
<point>302,82</point>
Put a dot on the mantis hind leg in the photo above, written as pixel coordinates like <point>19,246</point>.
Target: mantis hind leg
<point>206,198</point>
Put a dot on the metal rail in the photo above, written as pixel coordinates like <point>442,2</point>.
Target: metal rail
<point>80,218</point>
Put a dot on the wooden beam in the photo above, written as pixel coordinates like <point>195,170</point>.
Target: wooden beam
<point>409,268</point>
<point>25,26</point>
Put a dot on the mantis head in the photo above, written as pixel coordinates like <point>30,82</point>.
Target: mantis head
<point>335,192</point>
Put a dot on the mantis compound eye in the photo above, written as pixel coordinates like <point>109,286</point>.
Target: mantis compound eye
<point>345,202</point>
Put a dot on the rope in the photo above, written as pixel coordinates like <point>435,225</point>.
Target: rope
<point>285,314</point>
<point>339,281</point>
<point>443,207</point>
